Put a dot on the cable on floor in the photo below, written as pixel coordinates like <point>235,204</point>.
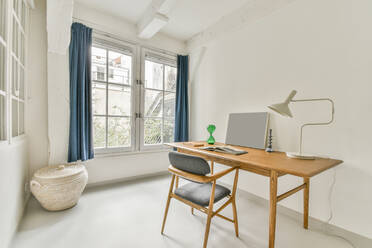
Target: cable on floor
<point>326,224</point>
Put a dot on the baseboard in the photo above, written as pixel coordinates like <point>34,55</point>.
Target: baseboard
<point>357,240</point>
<point>126,179</point>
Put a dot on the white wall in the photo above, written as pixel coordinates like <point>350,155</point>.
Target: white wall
<point>13,176</point>
<point>28,152</point>
<point>322,48</point>
<point>101,168</point>
<point>37,104</point>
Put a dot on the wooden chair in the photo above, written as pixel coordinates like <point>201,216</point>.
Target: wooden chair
<point>203,191</point>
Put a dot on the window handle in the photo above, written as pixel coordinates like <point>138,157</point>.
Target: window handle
<point>139,116</point>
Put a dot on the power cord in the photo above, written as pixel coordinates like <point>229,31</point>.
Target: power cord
<point>326,224</point>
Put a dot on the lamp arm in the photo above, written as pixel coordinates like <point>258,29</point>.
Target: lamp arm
<point>316,123</point>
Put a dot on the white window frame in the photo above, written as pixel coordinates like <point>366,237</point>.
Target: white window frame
<point>138,54</point>
<point>163,59</point>
<point>10,13</point>
<point>8,10</point>
<point>130,50</point>
<point>22,29</point>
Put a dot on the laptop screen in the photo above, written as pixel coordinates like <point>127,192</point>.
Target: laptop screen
<point>247,129</point>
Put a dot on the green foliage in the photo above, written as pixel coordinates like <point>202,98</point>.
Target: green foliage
<point>119,129</point>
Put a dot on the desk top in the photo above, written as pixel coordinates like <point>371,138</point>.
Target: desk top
<point>259,161</point>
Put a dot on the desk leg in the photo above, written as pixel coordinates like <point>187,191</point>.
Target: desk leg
<point>177,178</point>
<point>273,201</point>
<point>306,202</point>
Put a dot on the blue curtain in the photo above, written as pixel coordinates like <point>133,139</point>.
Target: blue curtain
<point>81,133</point>
<point>181,132</point>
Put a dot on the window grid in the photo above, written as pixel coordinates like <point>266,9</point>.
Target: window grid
<point>137,111</point>
<point>17,54</point>
<point>3,69</point>
<point>164,91</point>
<point>166,121</point>
<point>107,114</point>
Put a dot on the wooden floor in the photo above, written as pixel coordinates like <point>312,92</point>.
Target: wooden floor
<point>130,215</point>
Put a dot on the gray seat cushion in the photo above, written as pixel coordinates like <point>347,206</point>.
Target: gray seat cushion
<point>200,193</point>
<point>188,163</point>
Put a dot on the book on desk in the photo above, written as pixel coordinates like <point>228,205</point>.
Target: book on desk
<point>224,149</point>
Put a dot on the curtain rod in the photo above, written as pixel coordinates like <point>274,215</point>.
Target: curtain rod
<point>109,35</point>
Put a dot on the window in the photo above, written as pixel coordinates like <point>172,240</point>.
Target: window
<point>159,95</point>
<point>3,69</point>
<point>112,98</point>
<point>130,116</point>
<point>18,68</point>
<point>13,16</point>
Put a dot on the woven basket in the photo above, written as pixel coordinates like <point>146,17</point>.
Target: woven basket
<point>59,187</point>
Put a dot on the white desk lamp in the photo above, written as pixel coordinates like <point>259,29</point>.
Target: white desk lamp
<point>283,109</point>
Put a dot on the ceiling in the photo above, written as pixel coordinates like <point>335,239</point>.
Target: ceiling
<point>186,18</point>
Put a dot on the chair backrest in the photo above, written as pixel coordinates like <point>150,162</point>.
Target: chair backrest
<point>188,163</point>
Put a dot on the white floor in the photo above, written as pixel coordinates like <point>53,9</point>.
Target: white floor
<point>130,215</point>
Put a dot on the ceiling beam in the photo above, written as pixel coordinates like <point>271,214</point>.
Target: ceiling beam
<point>154,18</point>
<point>59,20</point>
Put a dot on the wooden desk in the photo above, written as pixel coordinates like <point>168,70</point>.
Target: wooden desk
<point>272,165</point>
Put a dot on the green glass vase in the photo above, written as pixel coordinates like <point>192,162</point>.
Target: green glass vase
<point>211,128</point>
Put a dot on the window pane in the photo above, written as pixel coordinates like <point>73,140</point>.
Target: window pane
<point>98,64</point>
<point>170,78</point>
<point>153,103</point>
<point>2,18</point>
<point>23,14</point>
<point>99,98</point>
<point>119,100</point>
<point>2,67</point>
<point>21,118</point>
<point>21,83</point>
<point>120,68</point>
<point>152,131</point>
<point>15,37</point>
<point>14,77</point>
<point>118,132</point>
<point>15,5</point>
<point>22,48</point>
<point>169,104</point>
<point>2,117</point>
<point>14,118</point>
<point>168,132</point>
<point>153,75</point>
<point>99,131</point>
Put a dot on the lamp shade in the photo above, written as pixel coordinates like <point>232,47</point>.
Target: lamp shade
<point>283,108</point>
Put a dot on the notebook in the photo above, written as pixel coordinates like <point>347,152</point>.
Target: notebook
<point>224,149</point>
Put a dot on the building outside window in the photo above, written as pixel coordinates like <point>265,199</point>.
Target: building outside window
<point>128,115</point>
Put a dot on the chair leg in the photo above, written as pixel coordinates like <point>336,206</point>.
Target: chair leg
<point>235,218</point>
<point>192,210</point>
<point>177,182</point>
<point>207,228</point>
<point>234,203</point>
<point>210,212</point>
<point>167,205</point>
